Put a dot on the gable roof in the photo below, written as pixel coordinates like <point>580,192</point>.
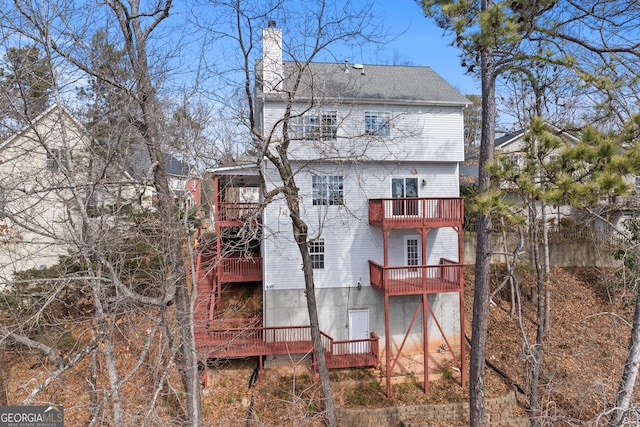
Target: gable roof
<point>175,166</point>
<point>389,83</point>
<point>39,118</point>
<point>508,137</point>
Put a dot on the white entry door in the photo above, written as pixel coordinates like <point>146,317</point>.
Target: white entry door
<point>359,330</point>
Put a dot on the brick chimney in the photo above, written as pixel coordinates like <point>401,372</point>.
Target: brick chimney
<point>272,72</point>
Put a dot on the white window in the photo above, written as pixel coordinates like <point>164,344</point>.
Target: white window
<point>57,157</point>
<point>316,250</point>
<point>328,190</point>
<point>95,205</point>
<point>513,159</point>
<point>319,127</point>
<point>377,123</point>
<point>413,252</point>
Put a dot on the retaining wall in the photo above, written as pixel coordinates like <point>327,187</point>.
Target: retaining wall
<point>499,414</point>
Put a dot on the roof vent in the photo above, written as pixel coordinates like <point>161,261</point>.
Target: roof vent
<point>346,66</point>
<point>359,67</point>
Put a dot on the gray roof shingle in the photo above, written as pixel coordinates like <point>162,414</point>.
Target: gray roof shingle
<point>388,83</point>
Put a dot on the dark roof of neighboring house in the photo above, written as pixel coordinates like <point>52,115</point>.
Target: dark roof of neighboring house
<point>374,82</point>
<point>139,163</point>
<point>175,166</point>
<point>508,137</point>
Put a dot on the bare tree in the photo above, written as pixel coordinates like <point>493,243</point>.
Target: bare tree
<point>140,123</point>
<point>498,37</point>
<point>301,92</point>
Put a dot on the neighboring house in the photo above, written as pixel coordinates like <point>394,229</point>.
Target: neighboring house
<point>46,177</point>
<point>613,212</point>
<point>511,144</point>
<point>184,181</point>
<point>375,152</point>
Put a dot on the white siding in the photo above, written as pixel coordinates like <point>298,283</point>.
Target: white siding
<point>350,242</point>
<point>36,198</point>
<point>425,142</point>
<point>418,133</point>
<point>42,212</point>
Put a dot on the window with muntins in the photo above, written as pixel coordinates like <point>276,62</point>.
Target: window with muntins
<point>328,190</point>
<point>318,127</point>
<point>413,252</point>
<point>316,250</point>
<point>57,157</point>
<point>377,123</point>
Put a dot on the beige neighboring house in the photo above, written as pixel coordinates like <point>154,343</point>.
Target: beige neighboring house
<point>612,212</point>
<point>49,176</point>
<point>606,218</point>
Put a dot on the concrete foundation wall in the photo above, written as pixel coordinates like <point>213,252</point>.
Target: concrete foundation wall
<point>289,308</point>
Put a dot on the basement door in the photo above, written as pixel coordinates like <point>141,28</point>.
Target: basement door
<point>359,330</point>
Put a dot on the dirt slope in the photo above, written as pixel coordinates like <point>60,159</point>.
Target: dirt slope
<point>584,354</point>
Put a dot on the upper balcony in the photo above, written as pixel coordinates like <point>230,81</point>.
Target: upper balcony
<point>240,269</point>
<point>236,214</point>
<point>413,212</point>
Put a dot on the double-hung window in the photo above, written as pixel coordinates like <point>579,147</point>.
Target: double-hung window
<point>377,123</point>
<point>328,190</point>
<point>57,157</point>
<point>316,250</point>
<point>318,127</point>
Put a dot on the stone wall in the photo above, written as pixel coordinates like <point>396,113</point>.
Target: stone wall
<point>499,414</point>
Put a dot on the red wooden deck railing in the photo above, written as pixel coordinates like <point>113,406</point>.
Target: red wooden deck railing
<point>236,212</point>
<point>410,280</point>
<point>241,338</point>
<point>410,212</point>
<point>240,269</point>
<point>352,353</point>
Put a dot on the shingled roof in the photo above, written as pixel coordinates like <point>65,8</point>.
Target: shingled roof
<point>389,83</point>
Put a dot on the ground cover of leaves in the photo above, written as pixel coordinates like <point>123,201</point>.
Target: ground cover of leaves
<point>585,350</point>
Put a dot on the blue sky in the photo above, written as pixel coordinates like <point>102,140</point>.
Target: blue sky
<point>419,42</point>
<point>413,39</point>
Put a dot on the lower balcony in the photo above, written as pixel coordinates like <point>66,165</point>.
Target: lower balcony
<point>235,338</point>
<point>412,280</point>
<point>227,214</point>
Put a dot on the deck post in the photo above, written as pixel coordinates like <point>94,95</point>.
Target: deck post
<point>387,340</point>
<point>425,328</point>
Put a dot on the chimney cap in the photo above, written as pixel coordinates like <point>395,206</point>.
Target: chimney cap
<point>271,23</point>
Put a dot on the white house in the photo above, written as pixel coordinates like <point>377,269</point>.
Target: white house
<point>46,180</point>
<point>376,152</point>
